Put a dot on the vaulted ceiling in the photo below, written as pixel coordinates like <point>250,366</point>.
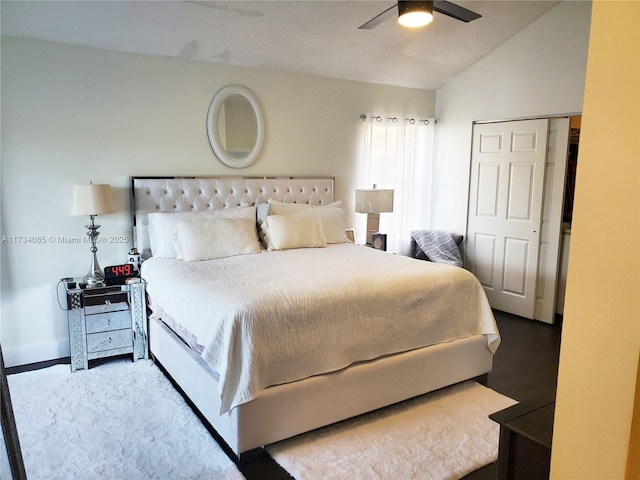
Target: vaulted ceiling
<point>310,37</point>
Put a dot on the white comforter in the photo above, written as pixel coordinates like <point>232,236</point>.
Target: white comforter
<point>276,317</point>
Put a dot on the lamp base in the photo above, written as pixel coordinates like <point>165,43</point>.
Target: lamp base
<point>95,277</point>
<point>94,280</point>
<point>373,225</point>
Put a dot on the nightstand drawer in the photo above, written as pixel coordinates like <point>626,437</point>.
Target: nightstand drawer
<point>108,302</point>
<point>104,322</point>
<point>98,342</point>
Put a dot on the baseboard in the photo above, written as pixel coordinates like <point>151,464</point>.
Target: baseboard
<point>35,353</point>
<point>29,367</point>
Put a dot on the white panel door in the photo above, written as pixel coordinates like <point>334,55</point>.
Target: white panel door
<point>505,211</point>
<point>551,232</point>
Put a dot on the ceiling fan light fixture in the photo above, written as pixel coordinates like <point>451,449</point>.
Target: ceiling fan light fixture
<point>414,14</point>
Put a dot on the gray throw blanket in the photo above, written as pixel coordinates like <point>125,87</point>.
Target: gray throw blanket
<point>438,246</point>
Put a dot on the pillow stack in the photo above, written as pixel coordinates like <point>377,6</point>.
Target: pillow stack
<point>212,234</point>
<point>301,227</point>
<point>202,235</point>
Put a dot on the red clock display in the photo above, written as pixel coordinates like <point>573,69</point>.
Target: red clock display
<point>117,274</point>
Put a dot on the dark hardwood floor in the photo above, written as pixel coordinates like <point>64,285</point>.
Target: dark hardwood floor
<point>525,366</point>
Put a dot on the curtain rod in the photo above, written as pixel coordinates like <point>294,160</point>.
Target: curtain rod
<point>378,118</point>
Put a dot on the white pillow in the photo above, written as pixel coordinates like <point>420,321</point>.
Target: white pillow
<point>213,238</point>
<point>162,226</point>
<point>283,232</point>
<point>332,218</point>
<point>263,209</point>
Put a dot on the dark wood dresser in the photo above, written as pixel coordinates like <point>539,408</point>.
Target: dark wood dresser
<point>526,431</point>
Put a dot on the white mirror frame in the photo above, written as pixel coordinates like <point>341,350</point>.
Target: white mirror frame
<point>214,135</point>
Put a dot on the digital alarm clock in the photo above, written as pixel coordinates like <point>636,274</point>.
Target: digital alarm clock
<point>118,274</point>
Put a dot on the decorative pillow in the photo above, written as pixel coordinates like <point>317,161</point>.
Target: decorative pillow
<point>332,218</point>
<point>262,212</point>
<point>213,238</point>
<point>283,232</point>
<point>162,226</point>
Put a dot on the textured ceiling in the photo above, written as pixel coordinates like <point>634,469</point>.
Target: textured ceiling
<point>310,37</point>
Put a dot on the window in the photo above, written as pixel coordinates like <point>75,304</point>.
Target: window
<point>398,154</point>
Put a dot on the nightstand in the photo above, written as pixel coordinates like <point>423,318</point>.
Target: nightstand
<point>526,431</point>
<point>106,321</point>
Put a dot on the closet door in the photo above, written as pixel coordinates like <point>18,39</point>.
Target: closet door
<point>505,211</point>
<point>551,233</point>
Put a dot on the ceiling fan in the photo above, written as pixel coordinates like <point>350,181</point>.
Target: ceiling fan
<point>420,13</point>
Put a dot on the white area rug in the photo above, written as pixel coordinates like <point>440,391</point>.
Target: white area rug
<point>118,420</point>
<point>125,421</point>
<point>443,435</point>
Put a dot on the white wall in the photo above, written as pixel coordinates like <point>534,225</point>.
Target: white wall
<point>74,114</point>
<point>538,72</point>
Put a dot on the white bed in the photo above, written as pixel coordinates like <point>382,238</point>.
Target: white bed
<point>386,328</point>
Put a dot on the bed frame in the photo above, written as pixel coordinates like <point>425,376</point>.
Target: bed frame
<point>286,410</point>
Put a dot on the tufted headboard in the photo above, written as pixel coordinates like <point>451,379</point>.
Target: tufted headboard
<point>180,194</point>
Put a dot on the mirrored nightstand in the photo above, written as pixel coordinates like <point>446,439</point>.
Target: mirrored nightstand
<point>106,321</point>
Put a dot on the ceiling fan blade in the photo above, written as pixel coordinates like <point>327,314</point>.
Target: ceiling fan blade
<point>455,11</point>
<point>378,19</point>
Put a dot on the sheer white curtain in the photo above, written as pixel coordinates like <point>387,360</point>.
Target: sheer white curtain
<point>398,154</point>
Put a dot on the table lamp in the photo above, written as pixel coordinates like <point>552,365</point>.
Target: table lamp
<point>373,202</point>
<point>93,200</point>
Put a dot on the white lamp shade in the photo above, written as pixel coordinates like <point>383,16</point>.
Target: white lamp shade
<point>92,200</point>
<point>375,200</point>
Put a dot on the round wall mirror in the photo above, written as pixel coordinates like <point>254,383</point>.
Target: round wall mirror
<point>235,126</point>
